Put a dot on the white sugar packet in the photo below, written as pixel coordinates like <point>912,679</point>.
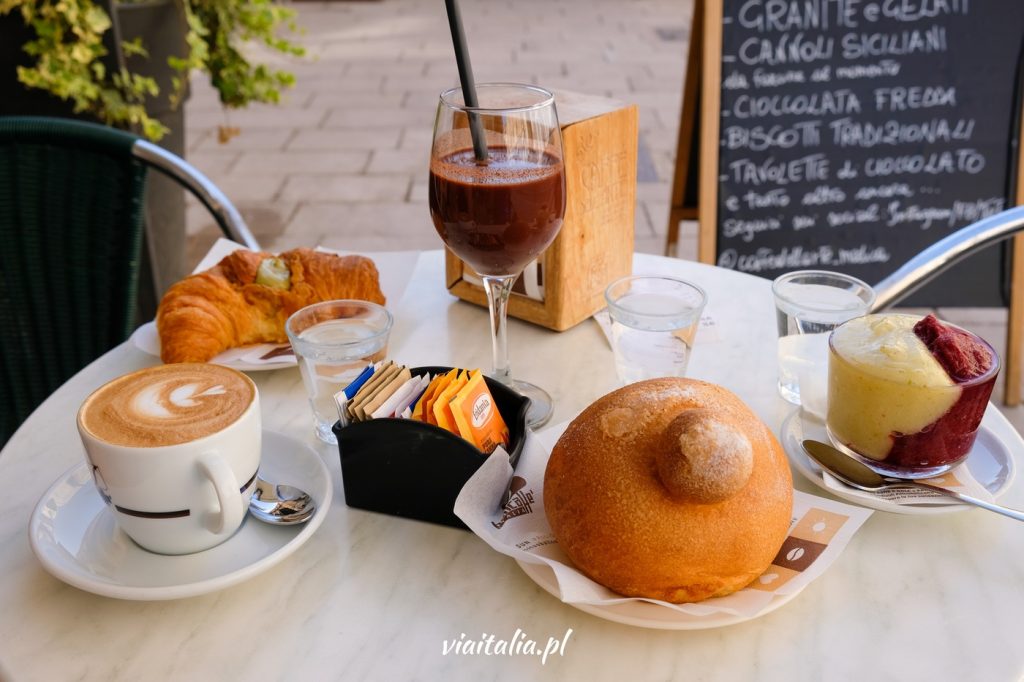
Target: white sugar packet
<point>820,530</point>
<point>401,397</point>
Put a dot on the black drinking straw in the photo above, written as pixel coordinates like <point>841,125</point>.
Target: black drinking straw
<point>466,79</point>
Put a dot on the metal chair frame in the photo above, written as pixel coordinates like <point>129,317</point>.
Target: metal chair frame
<point>188,176</point>
<point>140,158</point>
<point>945,253</point>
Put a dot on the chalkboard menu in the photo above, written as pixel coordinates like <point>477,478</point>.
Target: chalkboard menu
<point>854,133</point>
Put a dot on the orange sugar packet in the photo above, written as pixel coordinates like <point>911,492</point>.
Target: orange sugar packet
<point>418,411</point>
<point>477,416</point>
<point>428,404</point>
<point>442,412</point>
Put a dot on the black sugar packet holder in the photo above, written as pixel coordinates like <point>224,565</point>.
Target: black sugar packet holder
<point>415,470</point>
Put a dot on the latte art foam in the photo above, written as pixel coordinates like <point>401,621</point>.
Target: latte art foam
<point>167,405</point>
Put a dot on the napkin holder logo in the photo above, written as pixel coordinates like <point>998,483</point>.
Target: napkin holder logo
<point>518,501</point>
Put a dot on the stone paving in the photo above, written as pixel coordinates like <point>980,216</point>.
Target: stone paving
<point>342,161</point>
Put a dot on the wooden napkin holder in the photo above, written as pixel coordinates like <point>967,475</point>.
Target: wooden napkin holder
<point>595,245</point>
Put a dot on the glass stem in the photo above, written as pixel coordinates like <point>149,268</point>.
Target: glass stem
<point>498,290</point>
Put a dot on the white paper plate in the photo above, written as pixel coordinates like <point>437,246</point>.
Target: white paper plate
<point>74,534</point>
<point>647,614</point>
<point>245,359</point>
<point>991,463</point>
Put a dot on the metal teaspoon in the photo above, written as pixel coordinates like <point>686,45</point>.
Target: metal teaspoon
<point>850,471</point>
<point>281,505</point>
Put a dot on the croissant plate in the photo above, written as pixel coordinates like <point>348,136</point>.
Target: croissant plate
<point>226,306</point>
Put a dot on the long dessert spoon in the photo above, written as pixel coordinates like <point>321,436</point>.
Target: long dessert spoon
<point>853,473</point>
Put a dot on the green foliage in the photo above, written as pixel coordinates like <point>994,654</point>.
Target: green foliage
<point>68,49</point>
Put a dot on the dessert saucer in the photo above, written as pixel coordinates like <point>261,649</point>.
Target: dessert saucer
<point>990,462</point>
<point>244,359</point>
<point>647,614</point>
<point>74,535</point>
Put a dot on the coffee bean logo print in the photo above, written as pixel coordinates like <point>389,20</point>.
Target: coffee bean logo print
<point>773,578</point>
<point>797,554</point>
<point>818,526</point>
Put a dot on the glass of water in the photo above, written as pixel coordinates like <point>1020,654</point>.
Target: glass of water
<point>333,342</point>
<point>809,304</point>
<point>654,322</point>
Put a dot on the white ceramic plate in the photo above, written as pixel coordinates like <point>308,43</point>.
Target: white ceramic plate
<point>646,614</point>
<point>991,463</point>
<point>74,535</point>
<point>245,359</point>
<point>395,269</point>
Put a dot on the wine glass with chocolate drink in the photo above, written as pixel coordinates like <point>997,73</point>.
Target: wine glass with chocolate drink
<point>497,196</point>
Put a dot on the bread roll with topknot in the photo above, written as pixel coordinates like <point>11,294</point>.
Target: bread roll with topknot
<point>669,489</point>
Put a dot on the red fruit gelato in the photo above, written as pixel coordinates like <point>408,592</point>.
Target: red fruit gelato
<point>908,394</point>
<point>960,353</point>
<point>948,440</point>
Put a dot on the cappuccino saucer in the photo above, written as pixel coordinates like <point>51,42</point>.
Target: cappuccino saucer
<point>75,537</point>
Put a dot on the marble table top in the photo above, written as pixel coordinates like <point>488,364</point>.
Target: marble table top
<point>376,597</point>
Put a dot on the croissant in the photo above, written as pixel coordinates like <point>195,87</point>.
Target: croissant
<point>225,306</point>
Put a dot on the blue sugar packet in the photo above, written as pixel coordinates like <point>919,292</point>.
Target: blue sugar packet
<point>342,397</point>
<point>358,382</point>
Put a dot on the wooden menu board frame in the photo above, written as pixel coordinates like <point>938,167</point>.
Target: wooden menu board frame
<point>683,206</point>
<point>702,85</point>
<point>1015,318</point>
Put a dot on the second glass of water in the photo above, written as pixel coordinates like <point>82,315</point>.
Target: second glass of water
<point>809,304</point>
<point>333,341</point>
<point>654,323</point>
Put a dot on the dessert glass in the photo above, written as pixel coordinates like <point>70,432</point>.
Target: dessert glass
<point>897,409</point>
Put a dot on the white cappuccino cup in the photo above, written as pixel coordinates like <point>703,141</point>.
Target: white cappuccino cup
<point>174,451</point>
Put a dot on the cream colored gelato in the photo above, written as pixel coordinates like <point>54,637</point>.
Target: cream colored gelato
<point>883,380</point>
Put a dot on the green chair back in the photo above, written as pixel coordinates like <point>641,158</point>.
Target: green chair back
<point>71,223</point>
